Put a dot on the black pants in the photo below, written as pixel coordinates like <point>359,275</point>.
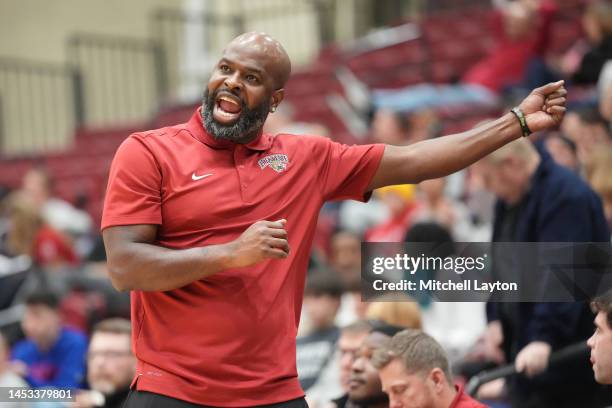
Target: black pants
<point>145,399</point>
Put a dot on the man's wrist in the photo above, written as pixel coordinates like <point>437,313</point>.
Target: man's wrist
<point>522,119</point>
<point>227,255</point>
<point>221,255</point>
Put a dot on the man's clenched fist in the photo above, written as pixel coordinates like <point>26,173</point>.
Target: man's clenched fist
<point>262,240</point>
<point>544,108</point>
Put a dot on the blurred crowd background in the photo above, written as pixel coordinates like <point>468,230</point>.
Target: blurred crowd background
<point>78,76</point>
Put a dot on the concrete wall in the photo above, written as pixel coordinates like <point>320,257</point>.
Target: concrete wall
<point>38,29</point>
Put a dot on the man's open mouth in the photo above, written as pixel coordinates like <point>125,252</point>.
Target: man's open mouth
<point>227,108</point>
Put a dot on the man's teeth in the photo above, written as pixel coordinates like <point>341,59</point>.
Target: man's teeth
<point>225,98</point>
<point>222,112</point>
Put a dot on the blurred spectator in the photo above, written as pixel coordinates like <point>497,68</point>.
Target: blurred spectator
<point>563,151</point>
<point>522,30</point>
<point>51,355</point>
<point>61,215</point>
<point>321,303</point>
<point>8,379</point>
<point>30,235</point>
<point>358,217</point>
<point>456,324</point>
<point>540,201</point>
<point>597,23</point>
<point>604,86</point>
<point>402,207</point>
<point>600,342</point>
<point>333,381</point>
<point>396,310</point>
<point>422,125</point>
<point>415,372</point>
<point>435,205</point>
<point>282,121</point>
<point>110,365</point>
<point>599,174</point>
<point>588,129</point>
<point>351,338</point>
<point>364,388</point>
<point>390,127</point>
<point>345,259</point>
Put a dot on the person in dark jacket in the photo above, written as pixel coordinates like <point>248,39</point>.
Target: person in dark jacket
<point>540,201</point>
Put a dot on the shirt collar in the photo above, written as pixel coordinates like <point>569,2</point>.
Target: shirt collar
<point>261,143</point>
<point>458,396</point>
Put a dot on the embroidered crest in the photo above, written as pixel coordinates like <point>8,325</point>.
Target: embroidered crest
<point>277,162</point>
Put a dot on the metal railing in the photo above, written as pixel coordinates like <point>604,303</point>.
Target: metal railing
<point>37,112</point>
<point>122,79</point>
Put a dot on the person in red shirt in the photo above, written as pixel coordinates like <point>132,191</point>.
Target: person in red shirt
<point>209,224</point>
<point>522,37</point>
<point>30,235</point>
<point>415,373</point>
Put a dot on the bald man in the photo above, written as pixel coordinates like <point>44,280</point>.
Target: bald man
<point>209,224</point>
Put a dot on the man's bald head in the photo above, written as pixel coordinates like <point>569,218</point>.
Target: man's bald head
<point>268,50</point>
<point>246,84</point>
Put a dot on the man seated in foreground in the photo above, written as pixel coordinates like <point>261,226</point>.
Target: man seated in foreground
<point>110,365</point>
<point>415,372</point>
<point>600,342</point>
<point>364,388</point>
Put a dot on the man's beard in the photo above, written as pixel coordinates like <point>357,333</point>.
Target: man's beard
<point>247,126</point>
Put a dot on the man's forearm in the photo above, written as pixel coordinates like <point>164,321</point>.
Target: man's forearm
<point>455,152</point>
<point>445,155</point>
<point>147,267</point>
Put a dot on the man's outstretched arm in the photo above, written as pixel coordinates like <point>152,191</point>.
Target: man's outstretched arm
<point>135,263</point>
<point>543,108</point>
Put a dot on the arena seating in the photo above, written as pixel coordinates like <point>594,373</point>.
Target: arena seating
<point>448,45</point>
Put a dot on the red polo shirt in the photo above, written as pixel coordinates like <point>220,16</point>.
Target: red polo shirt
<point>462,400</point>
<point>229,339</point>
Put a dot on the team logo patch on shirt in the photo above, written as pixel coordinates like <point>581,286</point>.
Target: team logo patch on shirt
<point>277,162</point>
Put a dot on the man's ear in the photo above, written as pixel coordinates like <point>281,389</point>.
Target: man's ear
<point>277,98</point>
<point>438,379</point>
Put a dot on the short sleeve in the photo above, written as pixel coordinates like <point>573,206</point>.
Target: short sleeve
<point>133,194</point>
<point>346,171</point>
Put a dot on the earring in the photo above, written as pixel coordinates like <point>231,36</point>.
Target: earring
<point>273,109</point>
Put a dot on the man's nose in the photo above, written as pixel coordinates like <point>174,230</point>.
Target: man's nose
<point>232,82</point>
<point>591,341</point>
<point>357,365</point>
<point>394,402</point>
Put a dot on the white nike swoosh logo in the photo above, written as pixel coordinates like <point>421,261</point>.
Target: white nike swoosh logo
<point>196,178</point>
